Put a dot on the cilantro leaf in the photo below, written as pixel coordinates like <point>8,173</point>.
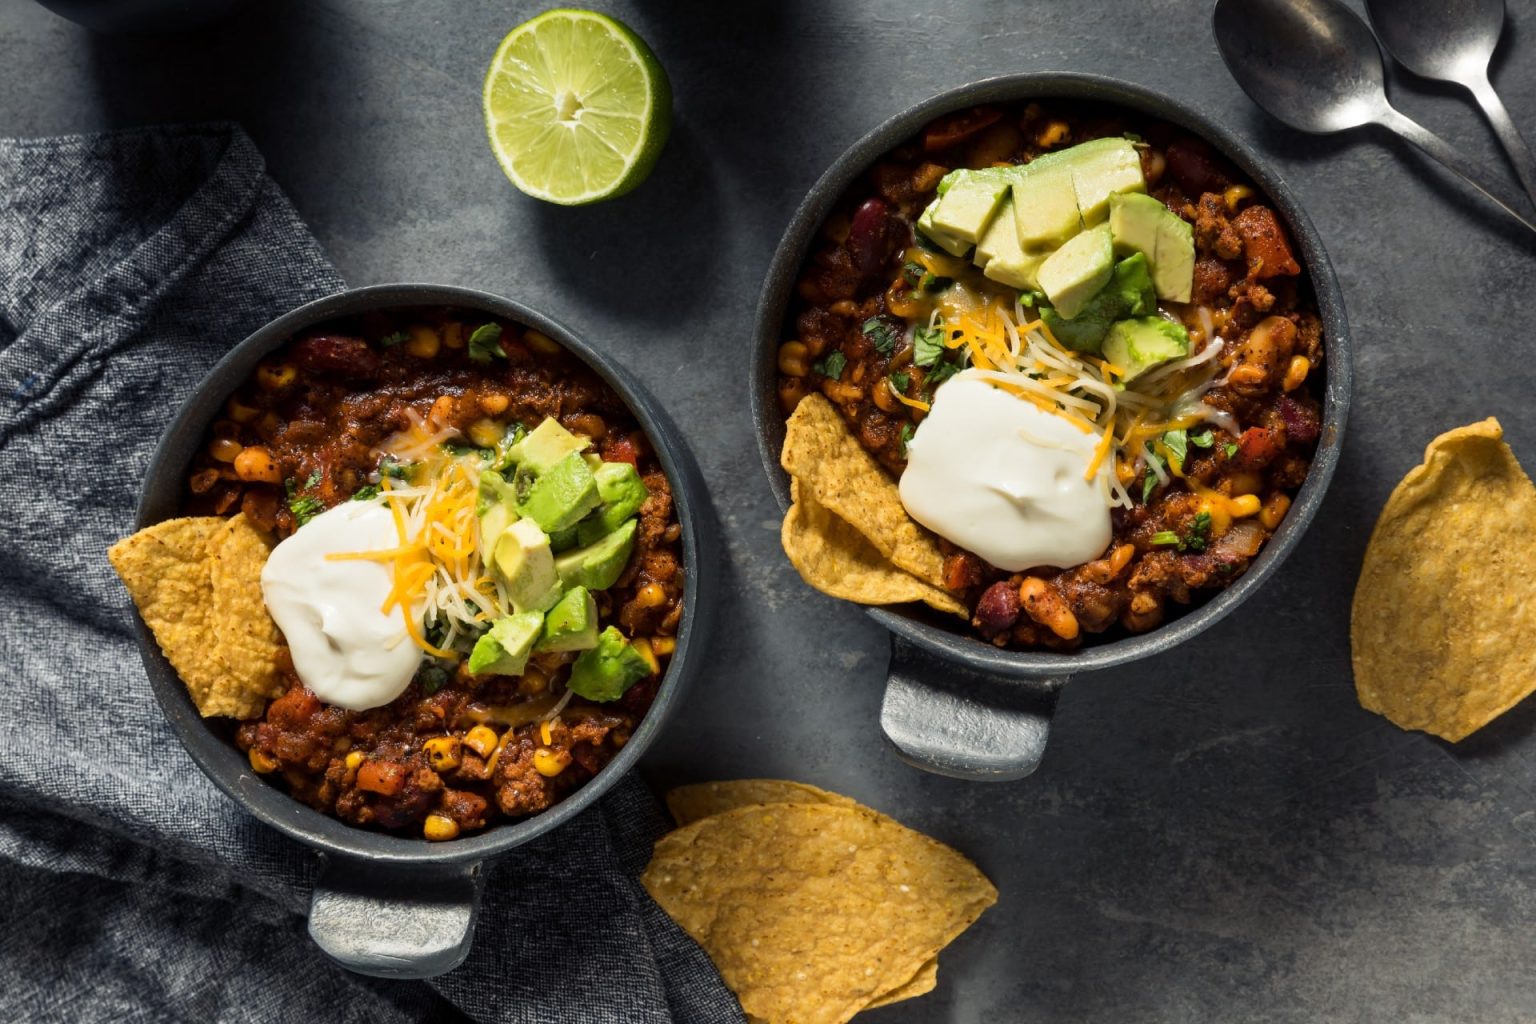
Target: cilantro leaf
<point>397,338</point>
<point>1230,449</point>
<point>1199,533</point>
<point>881,334</point>
<point>366,493</point>
<point>927,345</point>
<point>1167,538</point>
<point>485,343</point>
<point>941,372</point>
<point>907,432</point>
<point>831,365</point>
<point>934,283</point>
<point>395,469</point>
<point>899,381</point>
<point>913,272</point>
<point>1204,439</point>
<point>1148,482</point>
<point>303,506</point>
<point>458,449</point>
<point>1177,443</point>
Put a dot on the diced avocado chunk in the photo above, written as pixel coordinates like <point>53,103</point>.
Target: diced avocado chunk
<point>494,504</point>
<point>493,523</point>
<point>1073,274</point>
<point>559,497</point>
<point>504,649</point>
<point>597,566</point>
<point>1100,170</point>
<point>968,206</point>
<point>564,540</point>
<point>622,491</point>
<point>1138,345</point>
<point>606,671</point>
<point>938,236</point>
<point>1000,255</point>
<point>523,558</point>
<point>1173,269</point>
<point>545,445</point>
<point>1128,293</point>
<point>1045,206</point>
<point>1140,223</point>
<point>571,625</point>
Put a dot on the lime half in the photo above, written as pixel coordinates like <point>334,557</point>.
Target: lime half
<point>577,107</point>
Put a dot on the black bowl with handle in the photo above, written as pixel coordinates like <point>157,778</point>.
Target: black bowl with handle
<point>954,704</point>
<point>382,904</point>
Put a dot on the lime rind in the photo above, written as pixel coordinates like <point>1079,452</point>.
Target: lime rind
<point>620,107</point>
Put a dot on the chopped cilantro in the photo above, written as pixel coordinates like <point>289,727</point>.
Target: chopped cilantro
<point>1149,482</point>
<point>458,449</point>
<point>831,365</point>
<point>303,506</point>
<point>1199,533</point>
<point>395,469</point>
<point>366,493</point>
<point>397,338</point>
<point>941,372</point>
<point>1166,537</point>
<point>1230,449</point>
<point>881,334</point>
<point>907,431</point>
<point>934,283</point>
<point>433,676</point>
<point>899,381</point>
<point>1204,439</point>
<point>913,272</point>
<point>1177,443</point>
<point>927,345</point>
<point>485,343</point>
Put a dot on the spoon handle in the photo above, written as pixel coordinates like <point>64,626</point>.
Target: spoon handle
<point>1509,136</point>
<point>1435,146</point>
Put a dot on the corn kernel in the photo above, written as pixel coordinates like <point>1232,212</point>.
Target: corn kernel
<point>541,342</point>
<point>1296,372</point>
<point>275,376</point>
<point>663,645</point>
<point>486,433</point>
<point>224,449</point>
<point>424,343</point>
<point>255,465</point>
<point>1244,506</point>
<point>1053,133</point>
<point>443,752</point>
<point>442,411</point>
<point>792,359</point>
<point>354,760</point>
<point>261,763</point>
<point>651,596</point>
<point>239,411</point>
<point>1274,511</point>
<point>453,334</point>
<point>494,404</point>
<point>1235,195</point>
<point>439,827</point>
<point>481,739</point>
<point>550,763</point>
<point>642,647</point>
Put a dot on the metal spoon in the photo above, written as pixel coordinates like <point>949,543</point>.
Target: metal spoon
<point>1453,41</point>
<point>1315,65</point>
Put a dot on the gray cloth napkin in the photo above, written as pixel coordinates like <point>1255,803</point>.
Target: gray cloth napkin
<point>132,889</point>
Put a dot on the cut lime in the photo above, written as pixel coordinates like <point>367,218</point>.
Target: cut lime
<point>577,107</point>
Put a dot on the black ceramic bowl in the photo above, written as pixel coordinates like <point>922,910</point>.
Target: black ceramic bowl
<point>383,904</point>
<point>954,704</point>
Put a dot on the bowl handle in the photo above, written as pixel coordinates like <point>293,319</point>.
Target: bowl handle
<point>951,720</point>
<point>393,922</point>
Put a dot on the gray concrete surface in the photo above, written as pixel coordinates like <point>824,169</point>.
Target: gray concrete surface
<point>1218,835</point>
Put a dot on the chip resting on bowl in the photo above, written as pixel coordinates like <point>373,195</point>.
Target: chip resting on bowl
<point>812,911</point>
<point>1442,623</point>
<point>197,584</point>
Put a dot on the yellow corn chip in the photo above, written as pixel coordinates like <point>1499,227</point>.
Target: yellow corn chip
<point>810,911</point>
<point>247,639</point>
<point>839,475</point>
<point>924,981</point>
<point>837,560</point>
<point>1442,623</point>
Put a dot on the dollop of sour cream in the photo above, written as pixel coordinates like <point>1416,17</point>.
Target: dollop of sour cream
<point>1003,478</point>
<point>347,651</point>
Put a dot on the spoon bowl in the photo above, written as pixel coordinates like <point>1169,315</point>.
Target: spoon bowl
<point>1450,40</point>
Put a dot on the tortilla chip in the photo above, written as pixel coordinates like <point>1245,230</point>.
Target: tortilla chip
<point>248,639</point>
<point>1442,623</point>
<point>690,803</point>
<point>810,911</point>
<point>924,981</point>
<point>838,474</point>
<point>165,568</point>
<point>837,560</point>
<point>197,585</point>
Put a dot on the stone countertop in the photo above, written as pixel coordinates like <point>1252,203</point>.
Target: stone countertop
<point>1217,834</point>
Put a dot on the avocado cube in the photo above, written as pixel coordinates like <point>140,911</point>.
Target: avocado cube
<point>606,671</point>
<point>564,540</point>
<point>1133,221</point>
<point>493,523</point>
<point>504,649</point>
<point>571,625</point>
<point>967,208</point>
<point>1113,166</point>
<point>1073,274</point>
<point>1140,344</point>
<point>544,447</point>
<point>1173,269</point>
<point>622,491</point>
<point>1006,261</point>
<point>525,562</point>
<point>1128,293</point>
<point>599,565</point>
<point>559,497</point>
<point>938,236</point>
<point>1045,206</point>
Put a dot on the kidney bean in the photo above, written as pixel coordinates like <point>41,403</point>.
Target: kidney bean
<point>1302,423</point>
<point>998,608</point>
<point>1196,167</point>
<point>875,235</point>
<point>338,354</point>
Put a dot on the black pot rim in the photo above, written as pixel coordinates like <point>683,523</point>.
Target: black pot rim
<point>773,304</point>
<point>223,763</point>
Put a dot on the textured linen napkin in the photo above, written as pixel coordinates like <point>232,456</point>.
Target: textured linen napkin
<point>131,888</point>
